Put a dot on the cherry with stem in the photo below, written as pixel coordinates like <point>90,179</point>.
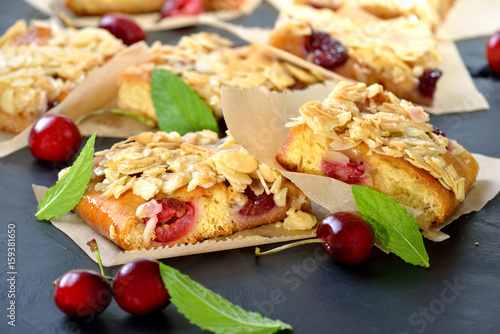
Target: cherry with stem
<point>346,238</point>
<point>83,293</point>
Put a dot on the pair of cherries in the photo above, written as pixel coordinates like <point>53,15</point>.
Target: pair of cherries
<point>137,289</point>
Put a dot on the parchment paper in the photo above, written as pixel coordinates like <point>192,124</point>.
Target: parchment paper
<point>97,91</point>
<point>456,91</point>
<point>148,22</point>
<point>81,233</point>
<point>256,119</point>
<point>471,18</point>
<point>466,19</point>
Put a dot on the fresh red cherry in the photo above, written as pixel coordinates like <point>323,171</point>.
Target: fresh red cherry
<point>123,27</point>
<point>493,52</point>
<point>346,238</point>
<point>82,293</point>
<point>181,7</point>
<point>54,138</point>
<point>139,288</point>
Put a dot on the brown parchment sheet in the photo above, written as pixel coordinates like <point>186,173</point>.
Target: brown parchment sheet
<point>148,22</point>
<point>97,91</point>
<point>257,118</point>
<point>470,19</point>
<point>81,233</point>
<point>466,19</point>
<point>455,92</point>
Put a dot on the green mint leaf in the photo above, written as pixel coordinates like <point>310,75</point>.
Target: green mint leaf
<point>393,225</point>
<point>65,194</point>
<point>177,107</point>
<point>210,311</point>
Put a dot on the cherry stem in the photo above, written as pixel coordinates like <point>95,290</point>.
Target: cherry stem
<point>93,247</point>
<point>293,244</point>
<point>67,20</point>
<point>145,120</point>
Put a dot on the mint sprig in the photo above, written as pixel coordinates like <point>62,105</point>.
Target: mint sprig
<point>393,225</point>
<point>210,311</point>
<point>177,107</point>
<point>65,194</point>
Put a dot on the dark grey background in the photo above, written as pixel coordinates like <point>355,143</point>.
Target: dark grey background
<point>458,294</point>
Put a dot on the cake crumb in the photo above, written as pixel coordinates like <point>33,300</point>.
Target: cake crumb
<point>477,243</point>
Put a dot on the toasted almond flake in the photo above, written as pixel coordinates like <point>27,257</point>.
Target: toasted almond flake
<point>148,233</point>
<point>238,161</point>
<point>418,115</point>
<point>336,158</point>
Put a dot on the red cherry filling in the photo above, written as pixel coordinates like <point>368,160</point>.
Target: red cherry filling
<point>325,50</point>
<point>428,81</point>
<point>257,205</point>
<point>439,132</point>
<point>350,173</point>
<point>182,7</point>
<point>298,85</point>
<point>174,221</point>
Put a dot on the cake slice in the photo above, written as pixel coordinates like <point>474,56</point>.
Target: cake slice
<point>42,64</point>
<point>400,54</point>
<point>367,136</point>
<point>431,11</point>
<point>161,189</point>
<point>206,62</point>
